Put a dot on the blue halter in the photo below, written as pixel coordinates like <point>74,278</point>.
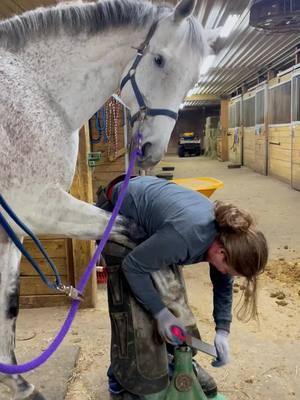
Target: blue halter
<point>144,110</point>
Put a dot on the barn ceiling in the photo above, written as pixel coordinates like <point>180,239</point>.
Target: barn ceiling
<point>240,57</point>
<point>245,53</point>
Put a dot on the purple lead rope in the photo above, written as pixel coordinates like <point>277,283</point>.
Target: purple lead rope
<point>20,369</point>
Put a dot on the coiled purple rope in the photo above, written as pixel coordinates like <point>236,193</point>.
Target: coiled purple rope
<point>20,369</point>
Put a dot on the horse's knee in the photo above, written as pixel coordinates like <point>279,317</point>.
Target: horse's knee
<point>12,309</point>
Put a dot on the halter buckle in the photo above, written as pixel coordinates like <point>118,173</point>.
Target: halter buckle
<point>143,113</point>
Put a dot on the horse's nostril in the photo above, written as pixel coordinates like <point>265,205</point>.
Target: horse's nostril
<point>146,148</point>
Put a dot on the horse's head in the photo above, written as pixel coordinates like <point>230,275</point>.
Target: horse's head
<point>168,66</point>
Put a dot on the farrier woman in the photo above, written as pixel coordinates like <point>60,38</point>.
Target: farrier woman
<point>183,227</point>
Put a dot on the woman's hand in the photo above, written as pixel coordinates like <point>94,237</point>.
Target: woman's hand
<point>165,321</point>
<point>222,347</point>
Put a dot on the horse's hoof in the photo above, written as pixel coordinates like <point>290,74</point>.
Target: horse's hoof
<point>36,395</point>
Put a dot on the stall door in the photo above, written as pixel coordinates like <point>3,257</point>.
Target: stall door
<point>280,152</point>
<point>248,108</point>
<point>280,136</point>
<point>296,157</point>
<point>249,147</point>
<point>261,145</point>
<point>260,150</point>
<point>296,132</point>
<point>235,132</point>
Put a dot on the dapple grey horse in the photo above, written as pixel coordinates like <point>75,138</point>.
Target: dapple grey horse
<point>58,65</point>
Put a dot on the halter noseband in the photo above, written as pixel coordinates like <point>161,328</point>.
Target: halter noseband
<point>144,110</point>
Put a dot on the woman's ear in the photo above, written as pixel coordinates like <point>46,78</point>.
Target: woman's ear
<point>221,251</point>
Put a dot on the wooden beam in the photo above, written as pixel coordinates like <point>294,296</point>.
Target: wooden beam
<point>82,189</point>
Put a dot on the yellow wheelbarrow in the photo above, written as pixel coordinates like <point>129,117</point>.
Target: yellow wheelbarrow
<point>203,185</point>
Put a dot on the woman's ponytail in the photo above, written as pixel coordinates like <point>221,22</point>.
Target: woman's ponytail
<point>246,251</point>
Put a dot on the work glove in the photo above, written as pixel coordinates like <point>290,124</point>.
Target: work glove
<point>166,322</point>
<point>222,347</point>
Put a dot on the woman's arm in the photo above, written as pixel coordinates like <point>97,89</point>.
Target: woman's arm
<point>165,247</point>
<point>222,288</point>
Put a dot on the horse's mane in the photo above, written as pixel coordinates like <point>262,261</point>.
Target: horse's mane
<point>92,17</point>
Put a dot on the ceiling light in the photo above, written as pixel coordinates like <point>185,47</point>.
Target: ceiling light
<point>208,62</point>
<point>229,25</point>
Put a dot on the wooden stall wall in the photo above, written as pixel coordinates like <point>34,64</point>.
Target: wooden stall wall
<point>296,131</point>
<point>112,145</point>
<point>296,157</point>
<point>235,131</point>
<point>280,152</point>
<point>249,130</point>
<point>34,293</point>
<point>71,256</point>
<point>83,250</point>
<point>269,131</point>
<point>280,140</point>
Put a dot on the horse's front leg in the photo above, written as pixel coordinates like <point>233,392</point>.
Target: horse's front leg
<point>9,309</point>
<point>59,213</point>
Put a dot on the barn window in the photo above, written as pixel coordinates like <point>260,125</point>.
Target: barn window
<point>249,111</point>
<point>296,99</point>
<point>280,104</point>
<point>260,107</point>
<point>238,113</point>
<point>235,114</point>
<point>232,115</point>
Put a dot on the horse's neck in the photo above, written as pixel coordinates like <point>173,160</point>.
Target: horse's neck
<point>80,73</point>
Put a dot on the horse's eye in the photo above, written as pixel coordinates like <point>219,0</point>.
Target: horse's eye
<point>159,60</point>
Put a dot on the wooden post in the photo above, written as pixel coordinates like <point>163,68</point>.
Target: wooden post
<point>82,189</point>
<point>224,130</point>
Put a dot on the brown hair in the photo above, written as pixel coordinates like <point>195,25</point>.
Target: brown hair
<point>246,251</point>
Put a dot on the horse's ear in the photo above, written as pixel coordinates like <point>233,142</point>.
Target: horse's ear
<point>183,9</point>
<point>212,35</point>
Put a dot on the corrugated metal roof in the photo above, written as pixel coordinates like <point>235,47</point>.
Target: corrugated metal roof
<point>199,103</point>
<point>239,57</point>
<point>244,53</point>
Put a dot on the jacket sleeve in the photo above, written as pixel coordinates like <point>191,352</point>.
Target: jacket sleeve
<point>222,290</point>
<point>165,247</point>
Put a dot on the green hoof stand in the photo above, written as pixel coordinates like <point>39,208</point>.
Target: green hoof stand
<point>184,384</point>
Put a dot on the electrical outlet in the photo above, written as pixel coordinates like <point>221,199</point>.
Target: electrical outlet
<point>92,163</point>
